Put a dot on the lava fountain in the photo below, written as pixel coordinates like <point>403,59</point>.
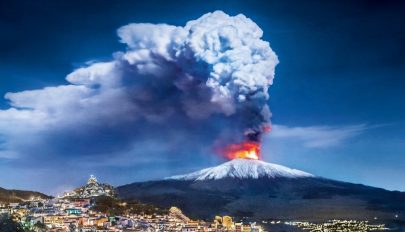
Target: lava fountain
<point>243,150</point>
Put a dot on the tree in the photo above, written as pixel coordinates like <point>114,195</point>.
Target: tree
<point>40,227</point>
<point>8,225</point>
<point>72,227</point>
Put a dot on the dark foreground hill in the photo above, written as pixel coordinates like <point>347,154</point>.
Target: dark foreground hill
<point>8,196</point>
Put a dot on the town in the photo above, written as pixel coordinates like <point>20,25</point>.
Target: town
<point>338,225</point>
<point>94,208</point>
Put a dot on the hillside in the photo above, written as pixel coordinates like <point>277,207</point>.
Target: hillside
<point>8,196</point>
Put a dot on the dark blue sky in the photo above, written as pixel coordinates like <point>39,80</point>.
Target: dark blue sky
<point>339,85</point>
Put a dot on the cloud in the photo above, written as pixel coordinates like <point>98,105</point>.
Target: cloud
<point>182,88</point>
<point>317,136</point>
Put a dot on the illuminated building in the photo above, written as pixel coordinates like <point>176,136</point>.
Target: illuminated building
<point>227,222</point>
<point>73,211</point>
<point>190,227</point>
<point>177,213</point>
<point>82,202</point>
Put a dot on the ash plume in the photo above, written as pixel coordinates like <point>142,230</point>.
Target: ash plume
<point>198,84</point>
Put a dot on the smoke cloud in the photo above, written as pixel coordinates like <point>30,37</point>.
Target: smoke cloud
<point>193,86</point>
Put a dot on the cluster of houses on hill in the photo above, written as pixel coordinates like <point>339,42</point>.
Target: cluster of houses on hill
<point>74,212</point>
<point>92,189</point>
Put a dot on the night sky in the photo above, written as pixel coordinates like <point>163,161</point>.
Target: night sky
<point>337,101</point>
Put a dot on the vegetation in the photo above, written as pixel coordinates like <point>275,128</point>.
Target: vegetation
<point>112,206</point>
<point>7,224</point>
<point>40,227</point>
<point>10,224</point>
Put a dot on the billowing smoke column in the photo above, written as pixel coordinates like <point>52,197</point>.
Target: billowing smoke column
<point>236,66</point>
<point>214,72</point>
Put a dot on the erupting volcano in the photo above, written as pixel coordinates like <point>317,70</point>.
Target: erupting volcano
<point>244,150</point>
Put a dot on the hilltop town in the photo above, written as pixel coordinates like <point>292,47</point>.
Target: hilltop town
<point>92,189</point>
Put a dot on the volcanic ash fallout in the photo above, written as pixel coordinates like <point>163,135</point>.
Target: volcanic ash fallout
<point>207,81</point>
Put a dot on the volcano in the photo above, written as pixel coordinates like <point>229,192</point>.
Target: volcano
<point>243,169</point>
<point>260,190</point>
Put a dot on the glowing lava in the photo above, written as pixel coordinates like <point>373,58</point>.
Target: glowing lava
<point>244,150</point>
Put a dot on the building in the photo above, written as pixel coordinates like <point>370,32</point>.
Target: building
<point>190,227</point>
<point>227,222</point>
<point>73,211</point>
<point>177,213</point>
<point>82,202</point>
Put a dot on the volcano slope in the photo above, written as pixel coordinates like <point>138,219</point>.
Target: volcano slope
<point>260,190</point>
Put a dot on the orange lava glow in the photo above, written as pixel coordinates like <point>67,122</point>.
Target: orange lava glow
<point>244,150</point>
